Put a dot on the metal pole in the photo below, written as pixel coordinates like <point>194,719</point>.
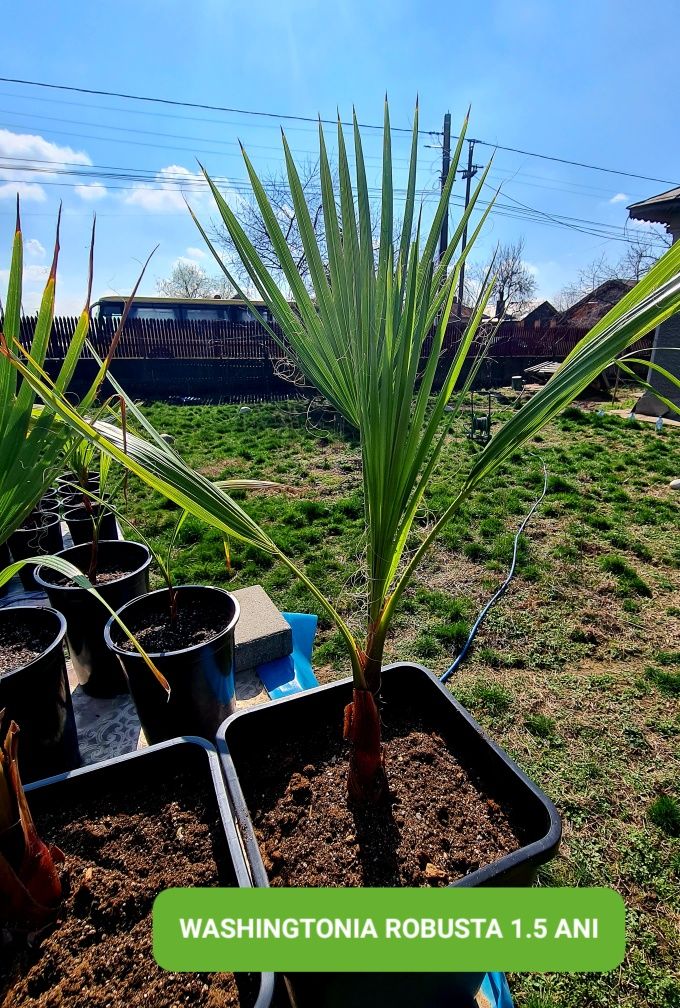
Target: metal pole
<point>446,163</point>
<point>468,175</point>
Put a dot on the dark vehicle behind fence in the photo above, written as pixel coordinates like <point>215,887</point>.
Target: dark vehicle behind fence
<point>179,309</point>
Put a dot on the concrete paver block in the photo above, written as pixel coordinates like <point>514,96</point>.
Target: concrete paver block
<point>262,633</point>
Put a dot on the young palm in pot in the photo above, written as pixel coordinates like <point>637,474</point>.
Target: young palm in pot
<point>34,439</point>
<point>360,337</point>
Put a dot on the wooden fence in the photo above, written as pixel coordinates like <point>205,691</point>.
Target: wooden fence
<point>164,359</point>
<point>152,339</point>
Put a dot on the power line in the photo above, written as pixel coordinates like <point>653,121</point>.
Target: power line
<point>180,184</point>
<point>200,105</point>
<point>517,175</point>
<point>311,119</point>
<point>168,136</point>
<point>598,229</point>
<point>576,164</point>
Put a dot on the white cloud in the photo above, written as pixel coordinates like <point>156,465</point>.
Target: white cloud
<point>93,191</point>
<point>186,259</point>
<point>645,225</point>
<point>28,191</point>
<point>530,268</point>
<point>32,158</point>
<point>34,249</point>
<point>35,274</point>
<point>165,194</point>
<point>66,303</point>
<point>620,197</point>
<point>195,253</point>
<point>32,147</point>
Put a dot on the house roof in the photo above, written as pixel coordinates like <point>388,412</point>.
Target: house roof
<point>546,308</point>
<point>595,305</point>
<point>657,209</point>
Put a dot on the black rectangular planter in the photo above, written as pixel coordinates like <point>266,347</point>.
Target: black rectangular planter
<point>245,733</point>
<point>241,736</point>
<point>123,774</point>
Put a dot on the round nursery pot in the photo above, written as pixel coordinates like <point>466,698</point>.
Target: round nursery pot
<point>5,561</point>
<point>49,502</point>
<point>98,671</point>
<point>81,524</point>
<point>69,483</point>
<point>41,535</point>
<point>69,501</point>
<point>36,693</point>
<point>201,675</point>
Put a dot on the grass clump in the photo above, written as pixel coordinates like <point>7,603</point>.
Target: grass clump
<point>667,657</point>
<point>629,579</point>
<point>489,697</point>
<point>540,725</point>
<point>664,812</point>
<point>665,681</point>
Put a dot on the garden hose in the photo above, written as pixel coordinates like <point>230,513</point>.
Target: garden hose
<point>482,616</point>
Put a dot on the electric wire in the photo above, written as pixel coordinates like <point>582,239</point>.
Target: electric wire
<point>196,184</point>
<point>314,119</point>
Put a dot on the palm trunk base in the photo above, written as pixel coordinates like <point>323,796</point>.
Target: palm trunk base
<point>366,780</point>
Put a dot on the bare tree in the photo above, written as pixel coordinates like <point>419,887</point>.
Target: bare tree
<point>248,214</point>
<point>515,285</point>
<point>189,280</point>
<point>640,255</point>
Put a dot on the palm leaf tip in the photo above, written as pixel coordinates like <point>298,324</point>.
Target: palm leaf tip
<point>57,247</point>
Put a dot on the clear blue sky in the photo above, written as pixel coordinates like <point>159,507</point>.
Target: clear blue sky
<point>590,82</point>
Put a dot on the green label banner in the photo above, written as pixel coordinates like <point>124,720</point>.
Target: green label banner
<point>389,930</point>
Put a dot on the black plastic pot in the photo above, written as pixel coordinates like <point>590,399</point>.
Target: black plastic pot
<point>49,502</point>
<point>41,536</point>
<point>125,776</point>
<point>240,745</point>
<point>98,670</point>
<point>69,501</point>
<point>81,524</point>
<point>201,677</point>
<point>5,561</point>
<point>69,482</point>
<point>37,696</point>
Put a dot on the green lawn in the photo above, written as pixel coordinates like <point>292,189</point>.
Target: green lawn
<point>577,670</point>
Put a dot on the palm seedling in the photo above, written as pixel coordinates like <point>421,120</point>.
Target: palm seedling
<point>32,440</point>
<point>370,338</point>
<point>30,886</point>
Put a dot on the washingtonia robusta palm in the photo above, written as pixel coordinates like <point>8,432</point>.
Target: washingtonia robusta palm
<point>359,338</point>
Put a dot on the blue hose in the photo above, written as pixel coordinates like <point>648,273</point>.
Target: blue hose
<point>492,601</point>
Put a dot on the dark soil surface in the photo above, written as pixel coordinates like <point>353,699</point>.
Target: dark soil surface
<point>99,952</point>
<point>20,644</point>
<point>435,827</point>
<point>195,624</point>
<point>106,572</point>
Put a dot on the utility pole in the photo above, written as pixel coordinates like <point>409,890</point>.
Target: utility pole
<point>446,164</point>
<point>468,174</point>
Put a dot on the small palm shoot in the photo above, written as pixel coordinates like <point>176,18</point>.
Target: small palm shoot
<point>30,883</point>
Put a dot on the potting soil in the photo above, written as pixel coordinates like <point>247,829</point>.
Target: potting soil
<point>435,826</point>
<point>98,954</point>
